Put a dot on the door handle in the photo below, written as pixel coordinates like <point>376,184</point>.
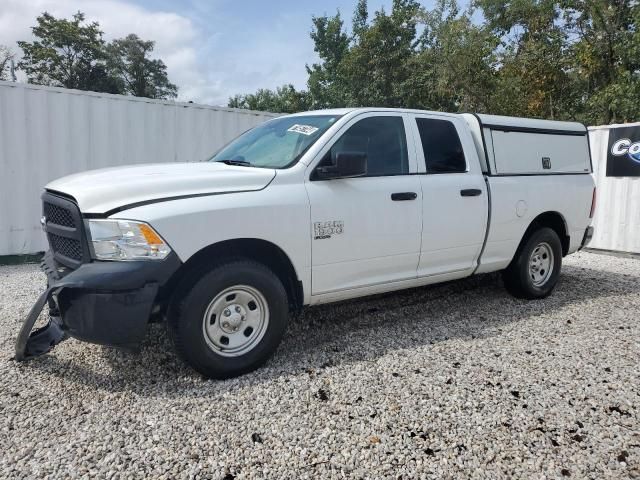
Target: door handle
<point>470,192</point>
<point>399,197</point>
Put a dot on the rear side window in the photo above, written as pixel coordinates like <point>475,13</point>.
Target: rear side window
<point>384,141</point>
<point>441,145</point>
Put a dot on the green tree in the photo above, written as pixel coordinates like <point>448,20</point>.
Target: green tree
<point>136,74</point>
<point>365,68</point>
<point>326,83</point>
<point>66,53</point>
<point>6,56</point>
<point>573,59</point>
<point>555,59</point>
<point>454,68</point>
<point>606,58</point>
<point>534,78</point>
<point>377,65</point>
<point>360,20</point>
<point>285,99</point>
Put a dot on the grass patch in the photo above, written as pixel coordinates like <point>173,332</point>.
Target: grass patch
<point>20,259</point>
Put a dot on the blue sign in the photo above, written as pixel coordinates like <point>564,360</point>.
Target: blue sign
<point>623,159</point>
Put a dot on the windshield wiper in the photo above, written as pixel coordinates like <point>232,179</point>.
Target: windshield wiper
<point>242,163</point>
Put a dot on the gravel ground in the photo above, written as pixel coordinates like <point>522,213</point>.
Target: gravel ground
<point>451,381</point>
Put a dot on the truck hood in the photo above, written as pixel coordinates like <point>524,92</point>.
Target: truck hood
<point>108,189</point>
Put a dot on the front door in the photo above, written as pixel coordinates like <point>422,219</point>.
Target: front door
<point>366,230</point>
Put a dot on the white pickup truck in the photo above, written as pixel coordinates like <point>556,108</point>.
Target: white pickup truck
<point>307,209</point>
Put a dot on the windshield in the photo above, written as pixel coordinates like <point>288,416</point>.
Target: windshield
<point>278,143</point>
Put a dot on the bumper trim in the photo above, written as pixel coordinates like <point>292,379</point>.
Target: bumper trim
<point>33,344</point>
<point>588,235</point>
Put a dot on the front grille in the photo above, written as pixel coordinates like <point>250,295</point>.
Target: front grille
<point>69,247</point>
<point>58,215</point>
<point>65,232</point>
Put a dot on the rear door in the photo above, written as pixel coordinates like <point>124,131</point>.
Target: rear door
<point>455,203</point>
<point>366,230</point>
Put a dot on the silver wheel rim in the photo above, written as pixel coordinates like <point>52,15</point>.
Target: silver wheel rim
<point>235,321</point>
<point>541,264</point>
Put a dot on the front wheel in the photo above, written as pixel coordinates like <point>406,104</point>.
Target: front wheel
<point>534,271</point>
<point>230,319</point>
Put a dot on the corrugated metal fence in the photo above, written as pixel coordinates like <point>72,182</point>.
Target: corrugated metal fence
<point>617,218</point>
<point>46,133</point>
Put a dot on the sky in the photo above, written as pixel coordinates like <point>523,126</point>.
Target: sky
<point>213,49</point>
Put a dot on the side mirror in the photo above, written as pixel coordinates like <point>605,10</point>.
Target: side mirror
<point>347,165</point>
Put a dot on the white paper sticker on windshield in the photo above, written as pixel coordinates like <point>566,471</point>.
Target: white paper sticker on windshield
<point>303,129</point>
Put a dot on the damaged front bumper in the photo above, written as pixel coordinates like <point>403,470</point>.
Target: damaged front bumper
<point>108,303</point>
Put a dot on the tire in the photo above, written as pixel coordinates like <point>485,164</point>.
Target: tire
<point>228,302</point>
<point>534,271</point>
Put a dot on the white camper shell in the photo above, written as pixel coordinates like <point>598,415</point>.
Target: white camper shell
<point>523,146</point>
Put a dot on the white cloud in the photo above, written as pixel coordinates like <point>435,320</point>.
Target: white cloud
<point>209,54</point>
<point>175,35</point>
<point>213,49</point>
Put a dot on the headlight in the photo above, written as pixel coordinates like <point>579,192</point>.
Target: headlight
<point>126,240</point>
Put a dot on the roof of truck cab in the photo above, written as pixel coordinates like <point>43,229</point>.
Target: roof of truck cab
<point>345,111</point>
<point>487,120</point>
<point>328,111</point>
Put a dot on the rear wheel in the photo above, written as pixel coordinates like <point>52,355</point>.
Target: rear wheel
<point>229,319</point>
<point>534,271</point>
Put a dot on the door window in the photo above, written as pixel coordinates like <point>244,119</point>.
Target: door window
<point>382,139</point>
<point>441,145</point>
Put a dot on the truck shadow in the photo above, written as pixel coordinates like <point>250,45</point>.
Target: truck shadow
<point>361,330</point>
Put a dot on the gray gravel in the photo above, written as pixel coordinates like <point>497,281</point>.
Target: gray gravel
<point>452,381</point>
